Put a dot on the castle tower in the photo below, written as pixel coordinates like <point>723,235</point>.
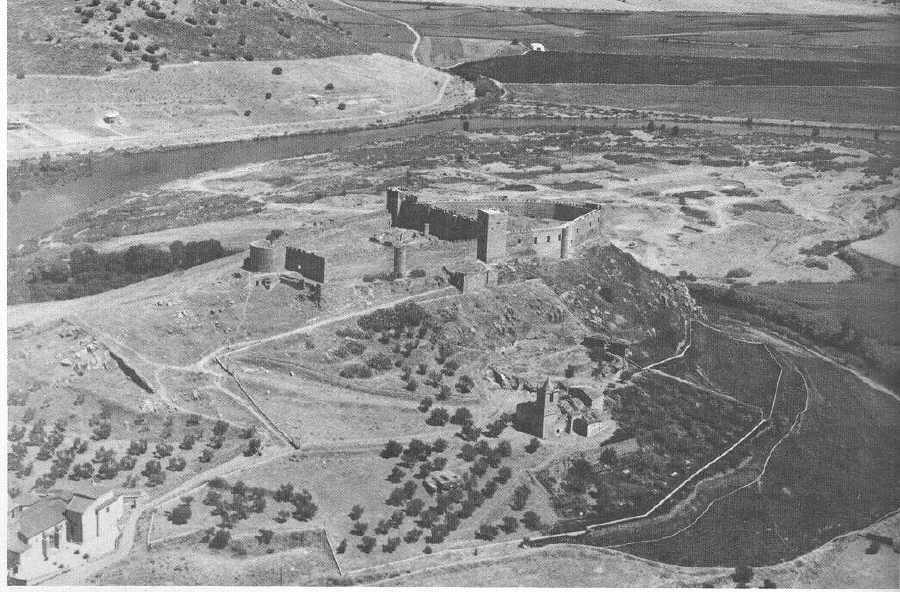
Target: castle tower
<point>492,235</point>
<point>393,203</point>
<point>399,262</point>
<point>546,410</point>
<point>565,246</point>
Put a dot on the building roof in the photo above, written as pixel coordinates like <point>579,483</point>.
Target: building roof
<point>45,514</point>
<point>79,503</point>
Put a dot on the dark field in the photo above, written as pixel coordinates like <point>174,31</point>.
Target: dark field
<point>839,104</point>
<point>838,472</point>
<point>539,67</point>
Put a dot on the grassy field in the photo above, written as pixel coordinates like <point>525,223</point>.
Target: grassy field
<point>840,104</point>
<point>224,97</point>
<point>744,371</point>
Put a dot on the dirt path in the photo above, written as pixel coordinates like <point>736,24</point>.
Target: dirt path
<point>417,38</point>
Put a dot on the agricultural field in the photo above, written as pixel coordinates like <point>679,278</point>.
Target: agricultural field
<point>609,68</point>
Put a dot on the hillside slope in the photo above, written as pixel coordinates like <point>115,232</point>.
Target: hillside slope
<point>90,37</point>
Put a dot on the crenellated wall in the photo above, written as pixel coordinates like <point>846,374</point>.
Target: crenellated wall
<point>581,223</point>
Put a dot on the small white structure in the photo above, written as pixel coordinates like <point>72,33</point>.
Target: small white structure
<point>111,116</point>
<point>537,47</point>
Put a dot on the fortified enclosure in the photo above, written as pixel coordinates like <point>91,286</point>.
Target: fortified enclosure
<point>492,225</point>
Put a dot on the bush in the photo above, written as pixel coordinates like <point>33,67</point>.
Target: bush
<point>277,70</point>
<point>392,449</point>
<point>220,428</point>
<point>356,512</point>
<point>738,272</point>
<point>465,384</point>
<point>137,447</point>
<point>329,86</point>
<point>439,417</point>
<point>342,547</point>
<point>742,574</point>
<point>510,524</point>
<point>163,450</point>
<point>462,416</point>
<point>487,532</point>
<point>531,520</point>
<point>176,463</point>
<point>532,446</point>
<point>367,544</point>
<point>412,385</point>
<point>380,361</point>
<point>356,370</point>
<point>180,514</point>
<point>220,539</point>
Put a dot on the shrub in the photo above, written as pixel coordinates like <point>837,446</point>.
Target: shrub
<point>137,447</point>
<point>510,524</point>
<point>392,449</point>
<point>356,370</point>
<point>450,367</point>
<point>738,272</point>
<point>486,531</point>
<point>220,539</point>
<point>380,361</point>
<point>220,428</point>
<point>163,450</point>
<point>531,520</point>
<point>397,475</point>
<point>265,536</point>
<point>742,574</point>
<point>425,404</point>
<point>359,528</point>
<point>439,445</point>
<point>180,514</point>
<point>356,512</point>
<point>342,547</point>
<point>176,463</point>
<point>367,544</point>
<point>533,445</point>
<point>462,416</point>
<point>277,70</point>
<point>520,496</point>
<point>444,393</point>
<point>439,417</point>
<point>465,384</point>
<point>329,86</point>
<point>412,385</point>
<point>412,536</point>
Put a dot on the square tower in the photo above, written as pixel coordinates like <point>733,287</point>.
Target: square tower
<point>491,235</point>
